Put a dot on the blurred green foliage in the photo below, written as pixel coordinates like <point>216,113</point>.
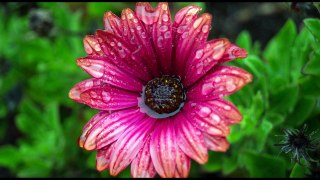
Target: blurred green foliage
<point>36,74</point>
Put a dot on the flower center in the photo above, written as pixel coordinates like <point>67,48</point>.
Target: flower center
<point>164,94</point>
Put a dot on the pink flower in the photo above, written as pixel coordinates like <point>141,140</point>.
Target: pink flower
<point>159,85</point>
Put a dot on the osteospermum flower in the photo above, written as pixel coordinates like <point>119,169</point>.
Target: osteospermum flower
<point>159,85</point>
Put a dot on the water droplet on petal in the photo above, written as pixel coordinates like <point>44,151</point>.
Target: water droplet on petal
<point>165,18</point>
<point>135,21</point>
<point>218,79</point>
<point>199,54</point>
<point>227,108</point>
<point>112,44</point>
<point>143,35</point>
<point>230,86</point>
<point>184,35</point>
<point>159,42</point>
<point>139,28</point>
<point>163,28</point>
<point>181,29</point>
<point>204,112</point>
<point>205,28</point>
<point>167,35</point>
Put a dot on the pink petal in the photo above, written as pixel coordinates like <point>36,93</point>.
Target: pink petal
<point>162,37</point>
<point>147,14</point>
<point>190,140</point>
<point>135,33</point>
<point>205,117</point>
<point>183,164</point>
<point>203,59</point>
<point>183,18</point>
<point>112,23</point>
<point>92,45</point>
<point>103,158</point>
<point>129,144</point>
<point>232,53</point>
<point>216,143</point>
<point>123,55</point>
<point>106,128</point>
<point>221,81</point>
<point>163,148</point>
<point>111,74</point>
<point>97,94</point>
<point>142,166</point>
<point>195,35</point>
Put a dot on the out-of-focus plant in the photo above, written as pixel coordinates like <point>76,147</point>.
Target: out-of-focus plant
<point>285,93</point>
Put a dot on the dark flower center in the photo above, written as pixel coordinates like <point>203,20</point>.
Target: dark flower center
<point>164,94</point>
<point>299,141</point>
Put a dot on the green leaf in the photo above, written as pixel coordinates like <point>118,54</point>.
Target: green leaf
<point>261,134</point>
<point>313,24</point>
<point>263,165</point>
<point>299,171</point>
<point>230,164</point>
<point>214,163</point>
<point>312,66</point>
<point>310,86</point>
<point>301,112</point>
<point>284,100</point>
<point>274,119</point>
<point>9,156</point>
<point>278,54</point>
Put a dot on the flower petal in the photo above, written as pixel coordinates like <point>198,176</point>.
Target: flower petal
<point>106,128</point>
<point>204,116</point>
<point>196,34</point>
<point>142,166</point>
<point>221,81</point>
<point>103,158</point>
<point>183,164</point>
<point>135,33</point>
<point>216,143</point>
<point>112,23</point>
<point>232,53</point>
<point>92,45</point>
<point>97,94</point>
<point>129,144</point>
<point>111,74</point>
<point>123,55</point>
<point>162,38</point>
<point>146,13</point>
<point>163,148</point>
<point>203,59</point>
<point>190,140</point>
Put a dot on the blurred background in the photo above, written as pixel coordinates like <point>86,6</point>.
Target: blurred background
<point>40,125</point>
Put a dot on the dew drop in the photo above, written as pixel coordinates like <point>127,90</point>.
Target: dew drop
<point>167,35</point>
<point>207,88</point>
<point>139,28</point>
<point>112,44</point>
<point>204,112</point>
<point>184,35</point>
<point>221,88</point>
<point>163,28</point>
<point>132,30</point>
<point>197,22</point>
<point>227,108</point>
<point>106,96</point>
<point>199,67</point>
<point>218,79</point>
<point>143,35</point>
<point>230,86</point>
<point>199,54</point>
<point>181,29</point>
<point>205,28</point>
<point>87,48</point>
<point>130,15</point>
<point>215,117</point>
<point>119,44</point>
<point>135,20</point>
<point>165,18</point>
<point>159,42</point>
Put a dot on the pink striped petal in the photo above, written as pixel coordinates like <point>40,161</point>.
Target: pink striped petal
<point>135,33</point>
<point>203,116</point>
<point>112,23</point>
<point>97,67</point>
<point>103,158</point>
<point>123,55</point>
<point>142,166</point>
<point>183,164</point>
<point>216,143</point>
<point>92,45</point>
<point>147,14</point>
<point>98,134</point>
<point>221,81</point>
<point>162,37</point>
<point>182,19</point>
<point>232,53</point>
<point>203,59</point>
<point>195,35</point>
<point>163,148</point>
<point>129,144</point>
<point>190,140</point>
<point>97,94</point>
